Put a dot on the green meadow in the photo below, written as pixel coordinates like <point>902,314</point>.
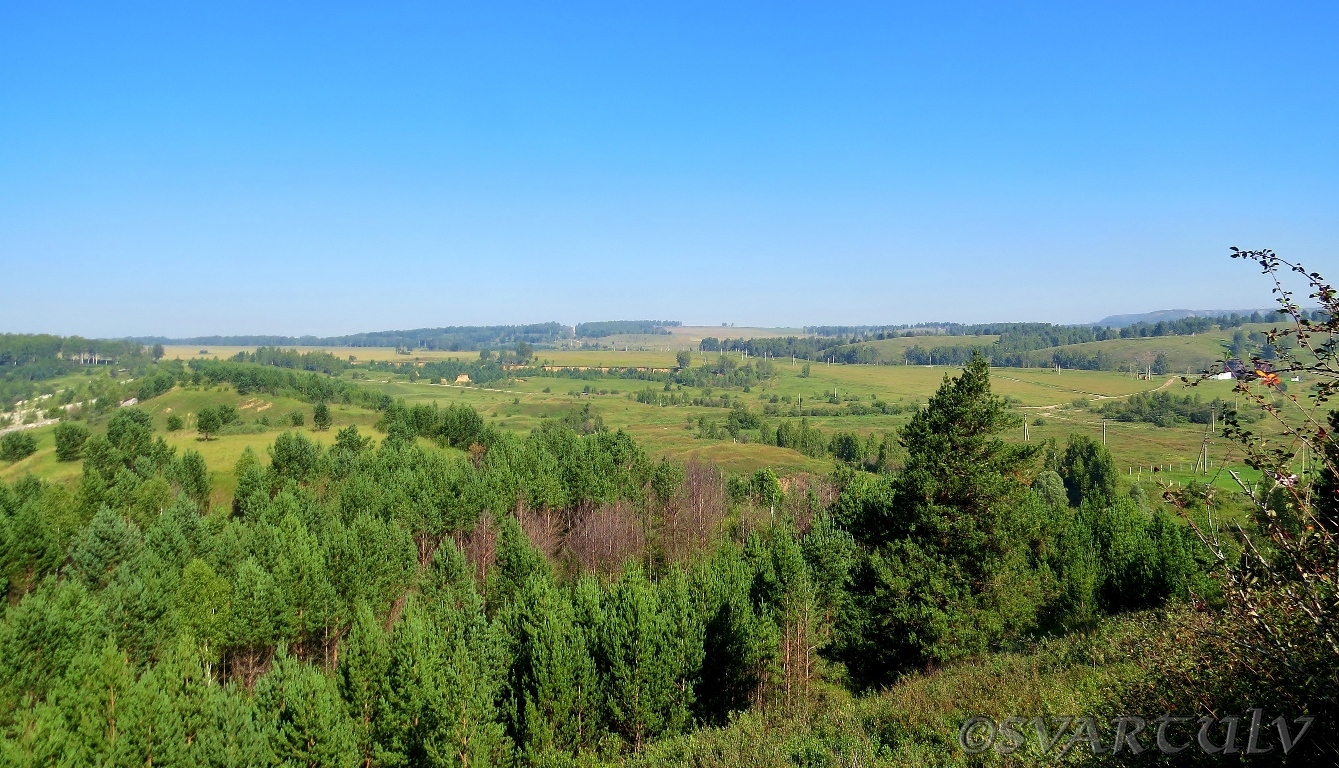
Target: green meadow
<point>1044,399</point>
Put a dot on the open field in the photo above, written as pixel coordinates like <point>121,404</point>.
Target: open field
<point>1036,393</point>
<point>220,453</point>
<point>1045,399</point>
<point>890,350</point>
<point>1184,354</point>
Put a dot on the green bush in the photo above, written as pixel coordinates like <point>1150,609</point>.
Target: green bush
<point>70,439</point>
<point>17,445</point>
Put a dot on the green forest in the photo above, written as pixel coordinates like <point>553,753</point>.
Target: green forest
<point>436,588</point>
<point>453,594</point>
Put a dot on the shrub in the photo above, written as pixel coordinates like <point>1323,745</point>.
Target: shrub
<point>70,438</point>
<point>174,423</point>
<point>17,445</point>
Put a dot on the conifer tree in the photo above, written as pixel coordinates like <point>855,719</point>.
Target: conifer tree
<point>321,416</point>
<point>437,698</point>
<point>552,682</point>
<point>231,734</point>
<point>203,602</point>
<point>640,672</point>
<point>517,561</point>
<point>363,664</point>
<point>253,621</point>
<point>946,567</point>
<point>253,486</point>
<point>301,577</point>
<point>99,679</point>
<point>303,716</point>
<point>107,543</point>
<point>738,644</point>
<point>192,477</point>
<point>70,438</point>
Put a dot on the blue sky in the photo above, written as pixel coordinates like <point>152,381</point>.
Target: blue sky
<point>329,168</point>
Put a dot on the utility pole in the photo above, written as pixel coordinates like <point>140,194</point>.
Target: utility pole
<point>1104,431</point>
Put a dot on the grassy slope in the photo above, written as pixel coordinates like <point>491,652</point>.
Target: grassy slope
<point>915,722</point>
<point>521,405</point>
<point>1185,354</point>
<point>220,453</point>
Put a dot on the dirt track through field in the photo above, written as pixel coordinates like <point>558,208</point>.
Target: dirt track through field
<point>1093,395</point>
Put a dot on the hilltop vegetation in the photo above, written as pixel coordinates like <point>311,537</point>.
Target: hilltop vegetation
<point>615,327</point>
<point>453,338</point>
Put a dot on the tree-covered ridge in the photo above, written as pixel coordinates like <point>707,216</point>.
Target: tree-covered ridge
<point>17,349</point>
<point>529,598</point>
<point>1180,326</point>
<point>604,328</point>
<point>463,337</point>
<point>26,359</point>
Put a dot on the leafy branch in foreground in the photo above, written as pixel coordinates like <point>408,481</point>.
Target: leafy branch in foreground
<point>1282,589</point>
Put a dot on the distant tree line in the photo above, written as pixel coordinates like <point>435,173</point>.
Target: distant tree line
<point>315,360</point>
<point>451,338</point>
<point>613,327</point>
<point>1183,326</point>
<point>1166,409</point>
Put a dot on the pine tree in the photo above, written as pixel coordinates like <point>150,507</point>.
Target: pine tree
<point>362,666</point>
<point>321,416</point>
<point>552,679</point>
<point>192,476</point>
<point>253,621</point>
<point>437,696</point>
<point>640,674</point>
<point>517,561</point>
<point>738,644</point>
<point>253,486</point>
<point>231,734</point>
<point>1088,471</point>
<point>686,635</point>
<point>43,634</point>
<point>203,602</point>
<point>945,568</point>
<point>92,698</point>
<point>303,716</point>
<point>105,545</point>
<point>301,578</point>
<point>70,439</point>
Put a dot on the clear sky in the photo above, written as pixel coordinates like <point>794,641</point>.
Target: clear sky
<point>330,168</point>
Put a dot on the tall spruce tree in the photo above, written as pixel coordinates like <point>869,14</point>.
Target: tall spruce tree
<point>946,565</point>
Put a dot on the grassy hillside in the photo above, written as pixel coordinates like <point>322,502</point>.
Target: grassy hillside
<point>1184,354</point>
<point>1043,398</point>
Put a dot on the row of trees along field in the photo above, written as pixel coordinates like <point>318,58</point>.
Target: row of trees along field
<point>451,338</point>
<point>538,598</point>
<point>1181,327</point>
<point>1019,345</point>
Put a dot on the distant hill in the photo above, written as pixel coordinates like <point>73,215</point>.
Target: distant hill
<point>462,337</point>
<point>1120,321</point>
<point>614,327</point>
